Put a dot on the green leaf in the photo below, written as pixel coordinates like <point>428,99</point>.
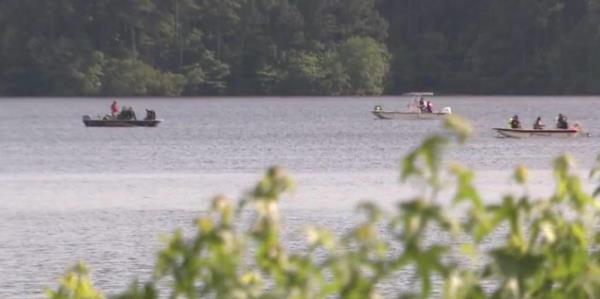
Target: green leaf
<point>459,126</point>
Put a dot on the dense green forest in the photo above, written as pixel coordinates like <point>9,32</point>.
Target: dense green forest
<point>298,47</point>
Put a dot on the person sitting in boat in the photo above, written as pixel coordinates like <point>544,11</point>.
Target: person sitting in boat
<point>429,107</point>
<point>114,108</point>
<point>127,113</point>
<point>538,125</point>
<point>131,113</point>
<point>515,123</point>
<point>561,122</point>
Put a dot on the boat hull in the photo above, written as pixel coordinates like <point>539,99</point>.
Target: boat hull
<point>526,133</point>
<point>119,123</point>
<point>408,115</point>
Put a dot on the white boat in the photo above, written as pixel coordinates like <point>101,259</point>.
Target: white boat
<point>528,133</point>
<point>413,111</point>
<point>380,113</point>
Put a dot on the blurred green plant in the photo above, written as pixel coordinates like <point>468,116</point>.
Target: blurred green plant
<point>75,284</point>
<point>541,247</point>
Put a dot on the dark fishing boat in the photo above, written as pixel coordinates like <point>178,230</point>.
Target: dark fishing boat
<point>123,121</point>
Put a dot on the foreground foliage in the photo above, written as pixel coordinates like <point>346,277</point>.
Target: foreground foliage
<point>519,247</point>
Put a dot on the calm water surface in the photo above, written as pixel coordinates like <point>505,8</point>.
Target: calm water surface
<point>68,192</point>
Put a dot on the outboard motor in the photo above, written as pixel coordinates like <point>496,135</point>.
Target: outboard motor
<point>446,110</point>
<point>150,115</point>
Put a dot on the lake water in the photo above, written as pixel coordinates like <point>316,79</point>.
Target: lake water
<point>104,195</point>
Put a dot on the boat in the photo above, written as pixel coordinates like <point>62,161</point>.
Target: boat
<point>528,133</point>
<point>380,113</point>
<point>118,121</point>
<point>413,112</point>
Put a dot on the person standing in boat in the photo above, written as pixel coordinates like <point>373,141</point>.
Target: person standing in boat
<point>422,104</point>
<point>515,123</point>
<point>538,125</point>
<point>114,108</point>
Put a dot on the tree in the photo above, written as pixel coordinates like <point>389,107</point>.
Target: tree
<point>250,46</point>
<point>336,80</point>
<point>367,64</point>
<point>133,77</point>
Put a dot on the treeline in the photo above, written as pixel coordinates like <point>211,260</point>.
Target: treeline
<point>298,47</point>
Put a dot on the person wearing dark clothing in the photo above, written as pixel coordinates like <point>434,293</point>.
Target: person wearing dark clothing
<point>561,122</point>
<point>131,113</point>
<point>515,123</point>
<point>123,113</point>
<point>127,113</point>
<point>422,104</point>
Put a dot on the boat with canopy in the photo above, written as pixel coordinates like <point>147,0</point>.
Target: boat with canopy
<point>415,109</point>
